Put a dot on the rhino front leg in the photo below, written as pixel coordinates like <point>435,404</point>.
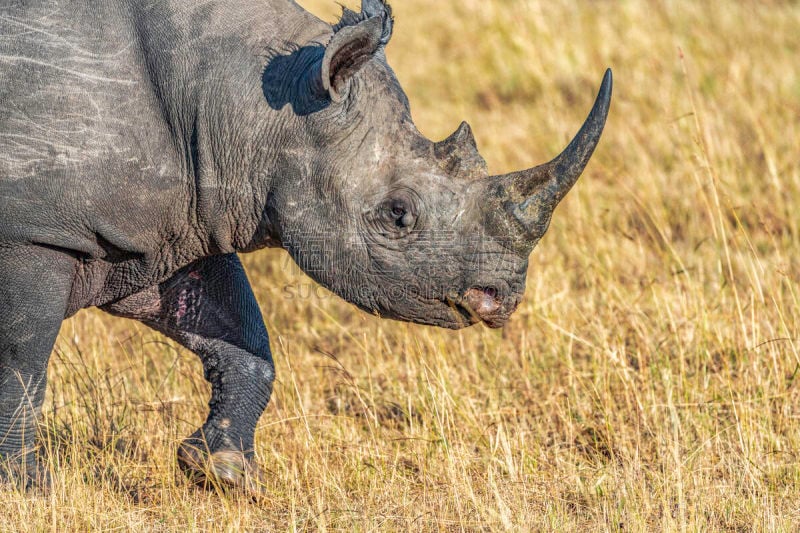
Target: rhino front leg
<point>209,308</point>
<point>35,284</point>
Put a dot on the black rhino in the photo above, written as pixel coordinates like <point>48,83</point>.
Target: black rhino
<point>144,144</point>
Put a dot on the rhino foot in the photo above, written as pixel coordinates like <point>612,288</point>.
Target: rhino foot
<point>29,476</point>
<point>221,470</point>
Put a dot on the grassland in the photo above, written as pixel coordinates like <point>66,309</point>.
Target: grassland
<point>649,380</point>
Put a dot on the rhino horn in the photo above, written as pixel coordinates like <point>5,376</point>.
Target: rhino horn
<point>459,153</point>
<point>529,196</point>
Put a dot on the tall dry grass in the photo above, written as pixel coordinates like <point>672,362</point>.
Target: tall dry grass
<point>649,381</point>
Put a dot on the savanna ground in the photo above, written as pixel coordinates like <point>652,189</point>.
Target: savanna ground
<point>650,379</point>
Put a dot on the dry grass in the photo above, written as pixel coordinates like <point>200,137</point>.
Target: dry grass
<point>646,383</point>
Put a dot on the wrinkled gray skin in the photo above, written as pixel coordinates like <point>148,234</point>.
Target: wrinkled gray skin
<point>144,144</point>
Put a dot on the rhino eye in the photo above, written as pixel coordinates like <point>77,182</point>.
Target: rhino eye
<point>398,209</point>
<point>398,215</point>
<point>401,216</point>
<point>397,218</point>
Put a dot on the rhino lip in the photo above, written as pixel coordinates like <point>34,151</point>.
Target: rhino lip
<point>496,320</point>
<point>464,312</point>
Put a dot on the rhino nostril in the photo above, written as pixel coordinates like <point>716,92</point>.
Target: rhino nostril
<point>483,300</point>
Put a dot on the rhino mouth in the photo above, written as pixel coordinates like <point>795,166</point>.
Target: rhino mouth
<point>464,314</point>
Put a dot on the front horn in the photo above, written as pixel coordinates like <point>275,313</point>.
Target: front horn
<point>530,196</point>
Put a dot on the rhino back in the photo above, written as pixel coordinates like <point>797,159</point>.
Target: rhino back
<point>81,137</point>
<point>98,124</point>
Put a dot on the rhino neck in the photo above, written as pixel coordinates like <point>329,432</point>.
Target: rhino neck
<point>204,65</point>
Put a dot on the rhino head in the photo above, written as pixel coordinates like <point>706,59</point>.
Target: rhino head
<point>396,224</point>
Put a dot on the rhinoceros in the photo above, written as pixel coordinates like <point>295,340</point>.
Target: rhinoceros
<point>144,144</point>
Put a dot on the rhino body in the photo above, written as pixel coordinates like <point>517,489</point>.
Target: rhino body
<point>144,144</point>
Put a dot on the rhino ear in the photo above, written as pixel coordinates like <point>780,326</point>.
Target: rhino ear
<point>350,48</point>
<point>379,8</point>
